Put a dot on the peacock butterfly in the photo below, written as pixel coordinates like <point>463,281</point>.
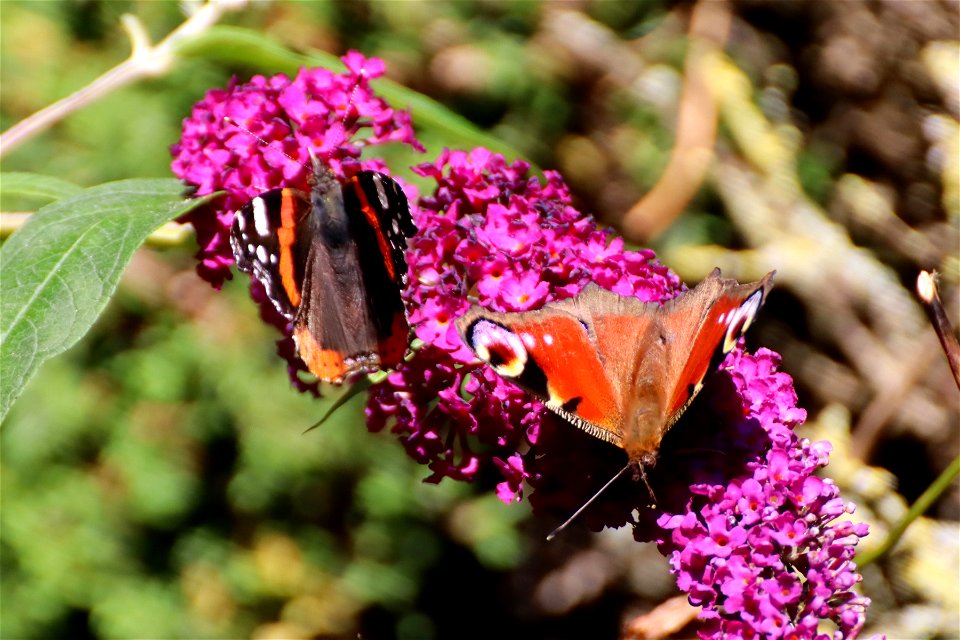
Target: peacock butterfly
<point>620,369</point>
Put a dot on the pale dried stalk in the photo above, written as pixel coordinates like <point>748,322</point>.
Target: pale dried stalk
<point>696,131</point>
<point>145,61</point>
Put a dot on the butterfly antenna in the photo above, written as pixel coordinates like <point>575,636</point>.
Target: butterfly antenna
<point>236,124</point>
<point>553,534</point>
<point>317,165</point>
<point>643,476</point>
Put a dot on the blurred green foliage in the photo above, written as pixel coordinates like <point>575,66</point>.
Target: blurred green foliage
<point>157,481</point>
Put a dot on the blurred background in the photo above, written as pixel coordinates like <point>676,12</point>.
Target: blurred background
<point>156,480</point>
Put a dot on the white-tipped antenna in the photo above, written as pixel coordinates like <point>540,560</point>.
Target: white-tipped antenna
<point>236,124</point>
<point>641,472</point>
<point>643,476</point>
<point>553,534</point>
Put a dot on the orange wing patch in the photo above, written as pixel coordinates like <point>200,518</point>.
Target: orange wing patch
<point>374,221</point>
<point>575,376</point>
<point>326,364</point>
<point>286,234</point>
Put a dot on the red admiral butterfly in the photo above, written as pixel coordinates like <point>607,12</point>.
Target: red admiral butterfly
<point>332,263</point>
<point>618,368</point>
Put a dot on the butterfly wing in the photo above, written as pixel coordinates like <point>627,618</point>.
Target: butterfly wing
<point>352,317</point>
<point>658,356</point>
<point>266,242</point>
<point>570,354</point>
<point>334,265</point>
<point>380,224</point>
<point>620,369</point>
<point>704,325</point>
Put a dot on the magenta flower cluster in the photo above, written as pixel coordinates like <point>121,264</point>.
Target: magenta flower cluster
<point>752,535</point>
<point>516,244</point>
<point>258,135</point>
<point>767,554</point>
<point>334,115</point>
<point>491,230</point>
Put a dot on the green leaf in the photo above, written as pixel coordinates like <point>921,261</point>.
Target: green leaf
<point>35,185</point>
<point>457,131</point>
<point>355,389</point>
<point>58,271</point>
<point>239,46</point>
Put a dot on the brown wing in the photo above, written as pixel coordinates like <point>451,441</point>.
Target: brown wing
<point>334,331</point>
<point>351,318</point>
<point>696,330</point>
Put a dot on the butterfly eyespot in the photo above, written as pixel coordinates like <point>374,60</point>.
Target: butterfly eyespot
<point>501,356</point>
<point>497,346</point>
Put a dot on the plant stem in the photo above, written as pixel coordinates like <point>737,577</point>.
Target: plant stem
<point>927,290</point>
<point>934,491</point>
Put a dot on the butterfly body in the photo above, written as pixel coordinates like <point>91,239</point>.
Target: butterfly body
<point>618,368</point>
<point>332,263</point>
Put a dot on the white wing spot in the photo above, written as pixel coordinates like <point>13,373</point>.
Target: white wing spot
<point>381,192</point>
<point>528,340</point>
<point>262,253</point>
<point>260,218</point>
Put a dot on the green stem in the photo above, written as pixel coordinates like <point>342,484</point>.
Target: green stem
<point>934,491</point>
